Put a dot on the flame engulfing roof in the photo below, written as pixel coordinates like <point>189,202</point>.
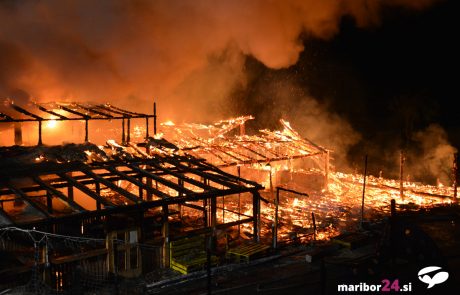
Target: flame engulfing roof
<point>216,144</point>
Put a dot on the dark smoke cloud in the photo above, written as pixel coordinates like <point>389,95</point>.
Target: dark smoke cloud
<point>186,54</point>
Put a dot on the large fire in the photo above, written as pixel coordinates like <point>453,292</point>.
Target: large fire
<point>276,159</point>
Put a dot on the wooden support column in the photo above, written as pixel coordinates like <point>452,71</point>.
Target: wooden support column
<point>364,192</point>
<point>326,170</point>
<point>86,131</point>
<point>154,118</point>
<point>40,142</point>
<point>401,174</point>
<point>17,133</point>
<point>205,206</point>
<point>70,192</point>
<point>141,191</point>
<point>149,184</point>
<point>123,131</point>
<point>180,182</point>
<point>165,234</point>
<point>128,135</point>
<point>98,192</point>
<point>146,127</point>
<point>238,168</point>
<point>213,212</point>
<point>454,176</point>
<point>275,223</point>
<point>256,215</point>
<point>49,202</point>
<point>242,129</point>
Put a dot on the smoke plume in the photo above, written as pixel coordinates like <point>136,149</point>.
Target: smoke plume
<point>187,55</point>
<point>434,160</point>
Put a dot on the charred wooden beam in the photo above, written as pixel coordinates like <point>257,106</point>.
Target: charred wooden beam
<point>25,112</point>
<point>94,111</point>
<point>7,118</point>
<point>161,180</point>
<point>200,173</point>
<point>86,190</point>
<point>105,108</point>
<point>196,207</point>
<point>43,109</point>
<point>18,192</point>
<point>208,230</point>
<point>58,193</point>
<point>182,177</point>
<point>124,111</point>
<point>137,182</point>
<point>69,110</point>
<point>111,185</point>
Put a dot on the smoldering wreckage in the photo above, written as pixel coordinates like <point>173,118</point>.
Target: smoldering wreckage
<point>196,208</point>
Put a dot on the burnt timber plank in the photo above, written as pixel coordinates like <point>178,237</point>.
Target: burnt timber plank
<point>131,179</point>
<point>18,192</point>
<point>86,190</point>
<point>57,193</point>
<point>132,197</point>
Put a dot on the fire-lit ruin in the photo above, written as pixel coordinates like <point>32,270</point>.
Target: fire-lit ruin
<point>184,197</point>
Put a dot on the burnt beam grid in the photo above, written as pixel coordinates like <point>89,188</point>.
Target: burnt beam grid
<point>174,173</point>
<point>64,112</point>
<point>223,149</point>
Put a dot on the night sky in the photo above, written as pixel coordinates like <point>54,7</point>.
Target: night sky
<point>388,81</point>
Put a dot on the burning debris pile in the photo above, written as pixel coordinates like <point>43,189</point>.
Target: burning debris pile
<point>284,159</point>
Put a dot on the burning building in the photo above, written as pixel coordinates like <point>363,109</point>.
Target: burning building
<point>190,196</point>
<point>120,196</point>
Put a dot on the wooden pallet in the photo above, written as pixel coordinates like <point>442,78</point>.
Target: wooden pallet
<point>246,251</point>
<point>188,255</point>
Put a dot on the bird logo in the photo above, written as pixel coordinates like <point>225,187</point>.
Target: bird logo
<point>438,277</point>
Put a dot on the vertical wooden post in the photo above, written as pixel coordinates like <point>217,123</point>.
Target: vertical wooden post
<point>256,215</point>
<point>17,133</point>
<point>213,213</point>
<point>205,206</point>
<point>154,118</point>
<point>98,192</point>
<point>242,129</point>
<point>364,190</point>
<point>165,233</point>
<point>275,223</point>
<point>40,132</point>
<point>49,202</point>
<point>149,184</point>
<point>238,168</point>
<point>128,134</point>
<point>454,176</point>
<point>141,191</point>
<point>326,170</point>
<point>146,127</point>
<point>401,175</point>
<point>70,192</point>
<point>314,225</point>
<point>123,131</point>
<point>86,131</point>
